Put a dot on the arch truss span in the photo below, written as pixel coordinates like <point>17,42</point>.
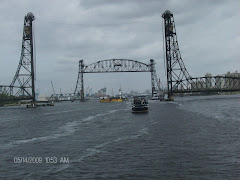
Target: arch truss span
<point>115,65</point>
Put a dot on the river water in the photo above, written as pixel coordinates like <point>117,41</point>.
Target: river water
<point>190,138</point>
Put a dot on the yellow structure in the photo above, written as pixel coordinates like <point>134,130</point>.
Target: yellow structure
<point>116,100</point>
<point>104,100</point>
<point>111,100</point>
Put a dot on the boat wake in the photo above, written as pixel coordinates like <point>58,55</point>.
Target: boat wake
<point>97,149</point>
<point>60,112</point>
<point>100,148</point>
<point>65,130</point>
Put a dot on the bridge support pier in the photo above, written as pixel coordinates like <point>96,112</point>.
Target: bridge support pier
<point>79,90</point>
<point>170,97</point>
<point>154,80</point>
<point>152,76</point>
<point>82,85</point>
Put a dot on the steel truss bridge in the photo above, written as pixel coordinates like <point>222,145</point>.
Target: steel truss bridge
<point>208,85</point>
<point>178,78</point>
<point>109,66</point>
<point>23,83</point>
<point>114,66</point>
<point>62,97</point>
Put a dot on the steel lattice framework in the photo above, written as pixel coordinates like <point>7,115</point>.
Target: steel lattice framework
<point>210,84</point>
<point>117,65</point>
<point>176,70</point>
<point>62,97</point>
<point>178,78</point>
<point>23,83</point>
<point>111,66</point>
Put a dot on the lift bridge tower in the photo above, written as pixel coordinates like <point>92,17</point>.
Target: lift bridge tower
<point>176,70</point>
<point>24,78</point>
<point>178,79</point>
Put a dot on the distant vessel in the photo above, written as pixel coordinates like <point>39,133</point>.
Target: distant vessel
<point>118,98</point>
<point>104,99</point>
<point>110,99</point>
<point>155,96</point>
<point>140,104</point>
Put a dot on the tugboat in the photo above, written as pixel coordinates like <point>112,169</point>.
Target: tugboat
<point>140,104</point>
<point>118,98</point>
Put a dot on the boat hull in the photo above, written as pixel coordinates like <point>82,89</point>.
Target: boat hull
<point>111,100</point>
<point>104,100</point>
<point>140,109</point>
<point>116,100</point>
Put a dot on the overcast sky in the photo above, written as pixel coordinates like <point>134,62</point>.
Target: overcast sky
<point>69,30</point>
